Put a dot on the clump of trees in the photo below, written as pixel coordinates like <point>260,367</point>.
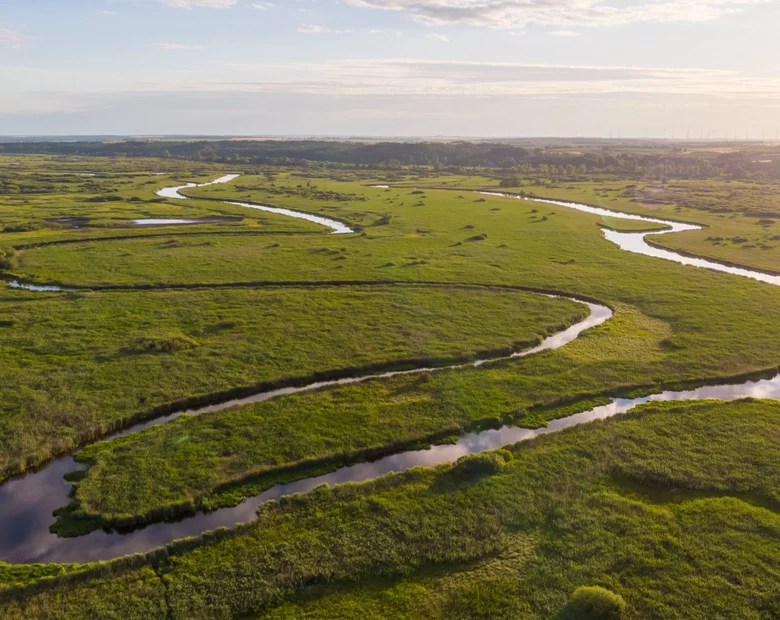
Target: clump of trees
<point>554,162</point>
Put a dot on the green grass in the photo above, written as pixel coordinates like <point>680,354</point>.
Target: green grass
<point>741,220</point>
<point>673,508</point>
<point>301,433</point>
<point>640,505</point>
<point>77,365</point>
<point>42,204</point>
<point>674,324</point>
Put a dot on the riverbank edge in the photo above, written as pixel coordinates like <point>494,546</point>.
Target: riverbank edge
<point>68,446</point>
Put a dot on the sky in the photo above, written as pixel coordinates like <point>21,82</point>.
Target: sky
<point>394,68</point>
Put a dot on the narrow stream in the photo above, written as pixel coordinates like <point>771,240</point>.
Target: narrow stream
<point>27,502</point>
<point>636,242</point>
<point>338,228</point>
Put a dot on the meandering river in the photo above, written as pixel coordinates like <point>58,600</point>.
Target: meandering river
<point>27,502</point>
<point>338,228</point>
<point>636,242</point>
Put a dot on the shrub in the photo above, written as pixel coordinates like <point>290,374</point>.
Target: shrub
<point>593,603</point>
<point>482,464</point>
<point>7,259</point>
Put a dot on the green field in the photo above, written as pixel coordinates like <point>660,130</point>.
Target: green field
<point>80,364</point>
<point>677,526</point>
<point>673,507</point>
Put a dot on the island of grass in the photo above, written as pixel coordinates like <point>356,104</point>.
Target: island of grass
<point>638,505</point>
<point>134,354</point>
<point>668,512</point>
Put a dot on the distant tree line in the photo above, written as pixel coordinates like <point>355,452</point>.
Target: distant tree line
<point>554,163</point>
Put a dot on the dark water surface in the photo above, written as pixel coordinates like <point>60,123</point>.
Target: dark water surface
<point>27,502</point>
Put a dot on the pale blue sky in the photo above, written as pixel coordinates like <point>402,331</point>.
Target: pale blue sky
<point>391,67</point>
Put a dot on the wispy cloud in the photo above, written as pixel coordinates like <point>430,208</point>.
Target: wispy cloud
<point>191,4</point>
<point>11,38</point>
<point>172,46</point>
<point>107,12</point>
<point>509,14</point>
<point>263,6</point>
<point>316,29</point>
<point>438,36</point>
<point>564,33</point>
<point>417,77</point>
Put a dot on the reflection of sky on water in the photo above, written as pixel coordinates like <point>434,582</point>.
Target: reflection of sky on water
<point>163,221</point>
<point>635,241</point>
<point>338,227</point>
<point>26,504</point>
<point>34,287</point>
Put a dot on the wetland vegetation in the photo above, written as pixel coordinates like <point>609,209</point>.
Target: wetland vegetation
<point>669,508</point>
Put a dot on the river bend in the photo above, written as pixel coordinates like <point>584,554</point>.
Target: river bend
<point>27,502</point>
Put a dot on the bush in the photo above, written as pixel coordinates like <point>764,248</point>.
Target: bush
<point>482,464</point>
<point>7,259</point>
<point>593,603</point>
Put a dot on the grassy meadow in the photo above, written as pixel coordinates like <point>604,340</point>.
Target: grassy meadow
<point>668,329</point>
<point>741,219</point>
<point>672,507</point>
<point>78,365</point>
<point>639,505</point>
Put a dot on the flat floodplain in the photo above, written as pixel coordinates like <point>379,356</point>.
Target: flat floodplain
<point>433,273</point>
<point>512,532</point>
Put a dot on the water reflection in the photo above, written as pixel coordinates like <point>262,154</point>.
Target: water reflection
<point>338,228</point>
<point>24,507</point>
<point>163,221</point>
<point>635,241</point>
<point>27,503</point>
<point>38,288</point>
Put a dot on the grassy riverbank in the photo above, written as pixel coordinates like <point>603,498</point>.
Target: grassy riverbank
<point>219,458</point>
<point>77,365</point>
<point>675,323</point>
<point>674,508</point>
<point>50,200</point>
<point>741,219</point>
<point>643,505</point>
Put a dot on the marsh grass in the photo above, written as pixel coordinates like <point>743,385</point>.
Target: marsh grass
<point>513,540</point>
<point>78,366</point>
<point>662,507</point>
